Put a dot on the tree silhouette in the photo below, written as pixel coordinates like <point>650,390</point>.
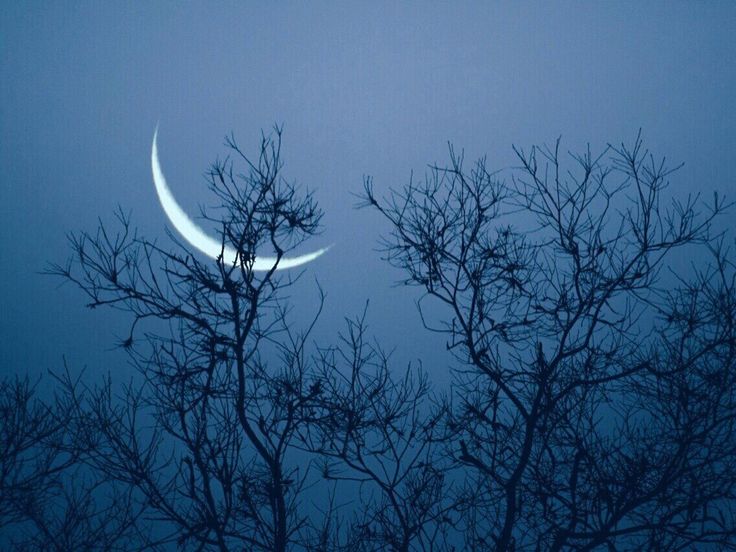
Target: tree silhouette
<point>204,439</point>
<point>46,501</point>
<point>234,420</point>
<point>594,399</point>
<point>592,402</point>
<point>380,433</point>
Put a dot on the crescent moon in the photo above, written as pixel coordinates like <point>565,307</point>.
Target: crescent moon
<point>199,239</point>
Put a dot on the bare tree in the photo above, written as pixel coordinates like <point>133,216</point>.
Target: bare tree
<point>48,501</point>
<point>205,439</point>
<point>33,450</point>
<point>594,402</point>
<point>375,432</point>
<point>218,441</point>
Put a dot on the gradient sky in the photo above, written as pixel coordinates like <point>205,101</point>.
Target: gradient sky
<point>362,89</point>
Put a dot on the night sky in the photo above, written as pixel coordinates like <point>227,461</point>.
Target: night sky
<point>362,89</point>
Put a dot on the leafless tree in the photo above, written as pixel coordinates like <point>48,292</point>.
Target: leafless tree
<point>375,432</point>
<point>205,439</point>
<point>594,402</point>
<point>218,440</point>
<point>48,501</point>
<point>32,452</point>
<point>593,399</point>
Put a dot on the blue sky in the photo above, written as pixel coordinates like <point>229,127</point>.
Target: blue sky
<point>362,89</point>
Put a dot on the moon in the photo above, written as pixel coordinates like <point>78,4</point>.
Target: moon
<point>199,239</point>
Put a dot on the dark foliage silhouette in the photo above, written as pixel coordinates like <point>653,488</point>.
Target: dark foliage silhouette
<point>592,403</point>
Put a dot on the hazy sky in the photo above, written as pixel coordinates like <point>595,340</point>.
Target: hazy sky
<point>363,89</point>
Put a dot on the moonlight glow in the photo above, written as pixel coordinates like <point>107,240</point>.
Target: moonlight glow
<point>198,238</point>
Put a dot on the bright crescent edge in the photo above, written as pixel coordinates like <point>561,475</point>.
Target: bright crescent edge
<point>198,238</point>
